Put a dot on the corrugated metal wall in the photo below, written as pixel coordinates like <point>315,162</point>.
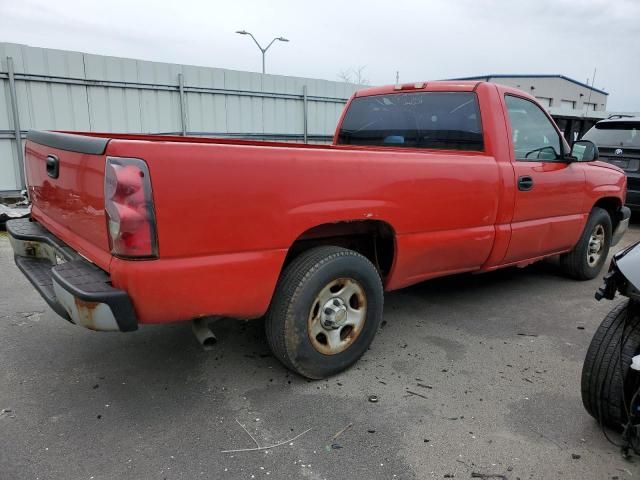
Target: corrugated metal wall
<point>65,90</point>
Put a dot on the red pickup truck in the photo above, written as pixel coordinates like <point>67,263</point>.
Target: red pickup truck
<point>422,180</point>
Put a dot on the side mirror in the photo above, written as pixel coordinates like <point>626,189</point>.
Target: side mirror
<point>585,151</point>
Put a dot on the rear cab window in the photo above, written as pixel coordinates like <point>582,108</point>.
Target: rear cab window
<point>430,120</point>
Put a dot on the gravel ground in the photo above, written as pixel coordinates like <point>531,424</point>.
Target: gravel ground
<point>473,373</point>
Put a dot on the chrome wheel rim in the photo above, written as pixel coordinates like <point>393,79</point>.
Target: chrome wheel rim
<point>337,316</point>
<point>596,245</point>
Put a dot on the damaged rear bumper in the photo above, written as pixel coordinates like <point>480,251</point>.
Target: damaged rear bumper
<point>73,287</point>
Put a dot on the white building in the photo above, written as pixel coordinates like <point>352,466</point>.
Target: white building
<point>574,105</point>
<point>556,92</point>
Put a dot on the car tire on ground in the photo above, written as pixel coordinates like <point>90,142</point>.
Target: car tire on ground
<point>586,259</point>
<point>608,385</point>
<point>325,312</point>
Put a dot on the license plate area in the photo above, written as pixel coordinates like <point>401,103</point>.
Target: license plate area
<point>627,164</point>
<point>618,162</point>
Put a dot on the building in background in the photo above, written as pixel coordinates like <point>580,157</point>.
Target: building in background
<point>575,106</point>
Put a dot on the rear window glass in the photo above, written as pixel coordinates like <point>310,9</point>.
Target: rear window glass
<point>440,120</point>
<point>615,134</point>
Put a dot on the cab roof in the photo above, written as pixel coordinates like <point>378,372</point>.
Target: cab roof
<point>434,86</point>
<point>441,86</point>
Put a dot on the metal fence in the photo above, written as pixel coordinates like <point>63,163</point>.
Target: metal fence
<point>62,90</point>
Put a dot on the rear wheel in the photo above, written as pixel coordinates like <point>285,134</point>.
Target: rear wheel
<point>325,311</point>
<point>586,259</point>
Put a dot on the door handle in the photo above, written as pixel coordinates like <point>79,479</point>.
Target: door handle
<point>525,183</point>
<point>53,166</point>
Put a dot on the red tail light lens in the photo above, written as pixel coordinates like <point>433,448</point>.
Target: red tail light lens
<point>128,203</point>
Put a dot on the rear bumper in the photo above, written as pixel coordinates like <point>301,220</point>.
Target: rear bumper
<point>624,214</point>
<point>73,287</point>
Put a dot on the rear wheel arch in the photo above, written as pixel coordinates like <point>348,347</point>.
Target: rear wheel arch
<point>374,239</point>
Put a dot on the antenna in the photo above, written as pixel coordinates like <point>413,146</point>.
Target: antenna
<point>593,79</point>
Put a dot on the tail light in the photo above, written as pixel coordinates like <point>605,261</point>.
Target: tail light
<point>128,204</point>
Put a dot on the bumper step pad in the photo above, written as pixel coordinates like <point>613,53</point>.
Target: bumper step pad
<point>90,289</point>
<point>38,271</point>
<point>73,287</point>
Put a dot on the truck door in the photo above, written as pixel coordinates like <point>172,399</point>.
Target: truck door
<point>547,215</point>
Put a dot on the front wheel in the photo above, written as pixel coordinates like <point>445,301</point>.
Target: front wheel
<point>325,312</point>
<point>586,259</point>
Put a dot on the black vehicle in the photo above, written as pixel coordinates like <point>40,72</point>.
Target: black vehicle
<point>618,141</point>
<point>610,373</point>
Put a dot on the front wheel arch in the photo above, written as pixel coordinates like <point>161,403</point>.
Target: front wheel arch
<point>612,205</point>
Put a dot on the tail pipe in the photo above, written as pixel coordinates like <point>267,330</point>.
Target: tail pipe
<point>203,333</point>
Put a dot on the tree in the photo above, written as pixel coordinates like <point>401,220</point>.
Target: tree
<point>354,75</point>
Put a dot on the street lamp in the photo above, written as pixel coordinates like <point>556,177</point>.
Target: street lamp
<point>263,50</point>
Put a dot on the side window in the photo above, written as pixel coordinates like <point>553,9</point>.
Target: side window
<point>534,137</point>
<point>436,120</point>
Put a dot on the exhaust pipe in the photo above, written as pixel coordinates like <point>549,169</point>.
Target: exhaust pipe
<point>203,333</point>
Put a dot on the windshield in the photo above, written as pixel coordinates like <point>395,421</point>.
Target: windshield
<point>615,134</point>
<point>442,120</point>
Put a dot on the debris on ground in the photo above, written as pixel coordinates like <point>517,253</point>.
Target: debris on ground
<point>258,447</point>
<point>6,412</point>
<point>417,394</point>
<point>488,475</point>
<point>373,398</point>
<point>341,432</point>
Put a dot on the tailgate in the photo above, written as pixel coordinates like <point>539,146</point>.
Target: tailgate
<point>65,177</point>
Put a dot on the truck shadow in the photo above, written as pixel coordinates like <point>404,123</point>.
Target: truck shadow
<point>162,371</point>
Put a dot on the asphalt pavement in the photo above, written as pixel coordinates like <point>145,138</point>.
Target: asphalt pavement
<point>472,374</point>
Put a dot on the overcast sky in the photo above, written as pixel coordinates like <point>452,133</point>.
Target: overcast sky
<point>424,40</point>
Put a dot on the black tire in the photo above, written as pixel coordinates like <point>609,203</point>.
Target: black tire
<point>288,318</point>
<point>576,263</point>
<point>603,379</point>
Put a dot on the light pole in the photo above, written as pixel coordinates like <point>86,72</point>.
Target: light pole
<point>263,50</point>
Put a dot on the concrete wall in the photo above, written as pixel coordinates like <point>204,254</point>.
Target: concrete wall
<point>64,90</point>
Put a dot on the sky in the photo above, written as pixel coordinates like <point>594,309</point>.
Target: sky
<point>422,40</point>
